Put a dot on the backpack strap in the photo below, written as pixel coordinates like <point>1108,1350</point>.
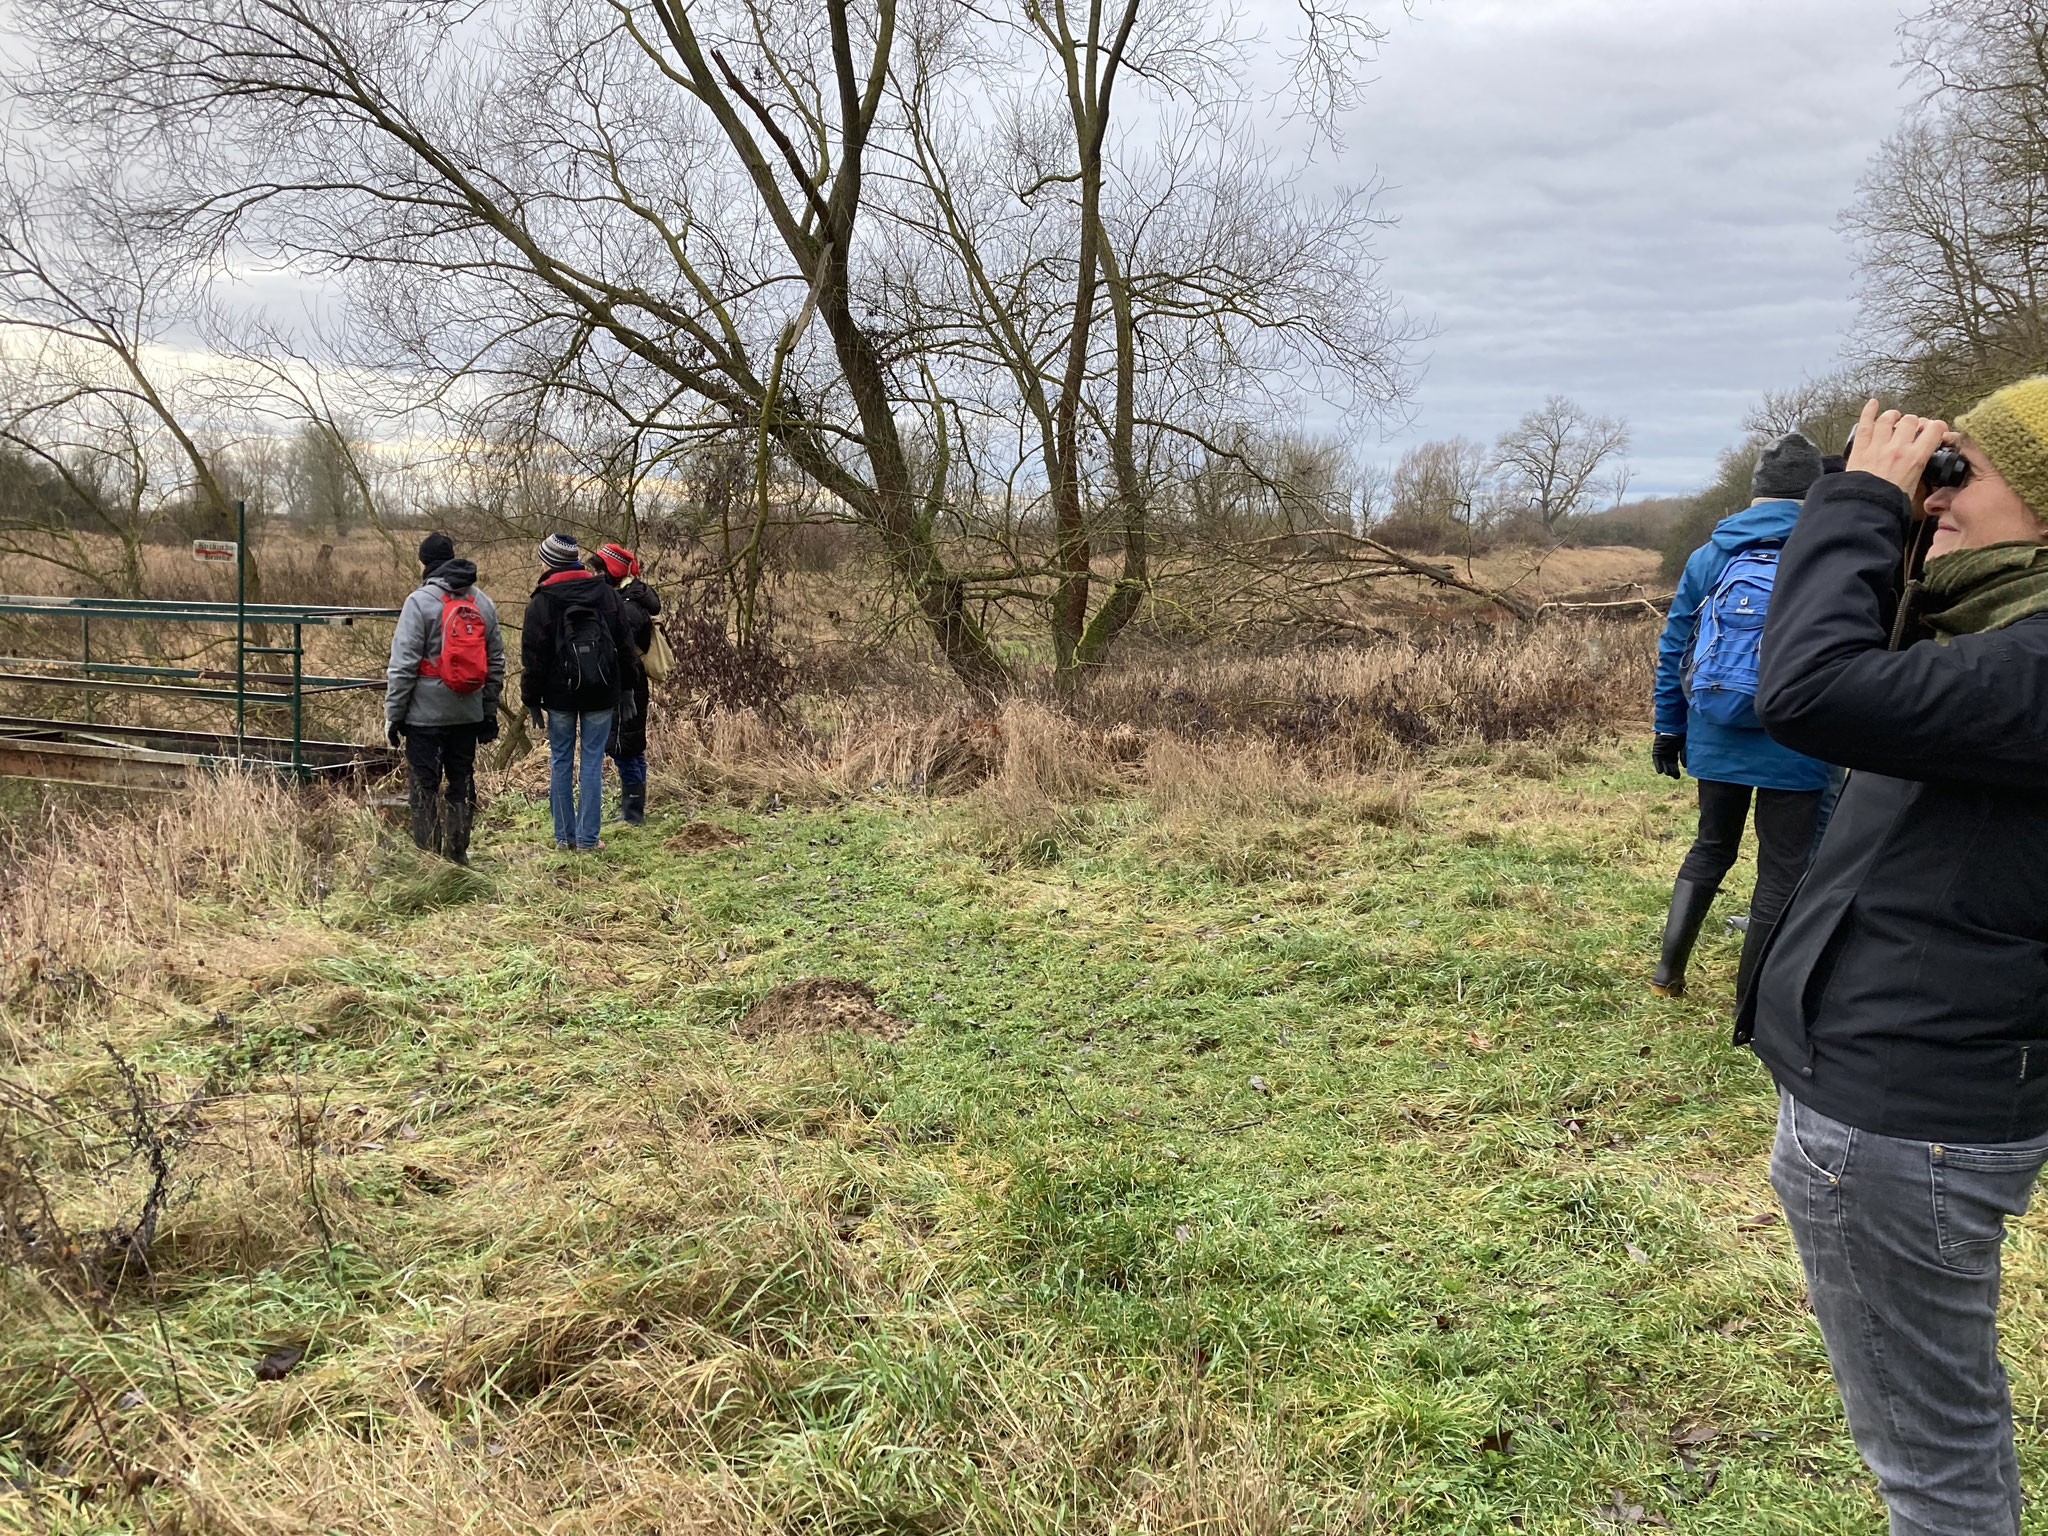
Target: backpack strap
<point>430,666</point>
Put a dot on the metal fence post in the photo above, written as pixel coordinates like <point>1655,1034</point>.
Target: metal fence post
<point>298,701</point>
<point>241,629</point>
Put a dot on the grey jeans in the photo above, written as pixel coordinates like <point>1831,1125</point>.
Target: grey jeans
<point>1900,1241</point>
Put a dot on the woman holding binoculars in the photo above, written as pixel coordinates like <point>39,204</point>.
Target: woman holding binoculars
<point>1902,1002</point>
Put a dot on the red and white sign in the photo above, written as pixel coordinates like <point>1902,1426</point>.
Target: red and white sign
<point>214,551</point>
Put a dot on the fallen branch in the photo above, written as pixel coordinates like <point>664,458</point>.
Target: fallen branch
<point>1520,608</point>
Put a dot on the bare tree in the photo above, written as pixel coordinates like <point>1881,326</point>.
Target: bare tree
<point>1824,409</point>
<point>1554,459</point>
<point>1437,495</point>
<point>88,390</point>
<point>1951,217</point>
<point>764,222</point>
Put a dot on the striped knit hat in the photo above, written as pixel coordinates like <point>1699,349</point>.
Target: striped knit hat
<point>558,552</point>
<point>2011,427</point>
<point>619,562</point>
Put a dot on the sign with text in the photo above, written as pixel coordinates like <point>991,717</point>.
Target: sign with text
<point>214,551</point>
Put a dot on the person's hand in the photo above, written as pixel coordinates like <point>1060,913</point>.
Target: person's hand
<point>394,734</point>
<point>1667,752</point>
<point>487,732</point>
<point>1896,447</point>
<point>539,717</point>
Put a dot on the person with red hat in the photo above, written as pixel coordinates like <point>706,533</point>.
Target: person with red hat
<point>640,604</point>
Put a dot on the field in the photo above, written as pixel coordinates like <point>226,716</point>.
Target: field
<point>844,638</point>
<point>1236,1141</point>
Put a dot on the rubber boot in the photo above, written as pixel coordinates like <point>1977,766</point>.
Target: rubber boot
<point>461,815</point>
<point>633,804</point>
<point>426,816</point>
<point>1689,903</point>
<point>1753,943</point>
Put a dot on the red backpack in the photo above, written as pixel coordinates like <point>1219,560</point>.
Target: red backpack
<point>465,660</point>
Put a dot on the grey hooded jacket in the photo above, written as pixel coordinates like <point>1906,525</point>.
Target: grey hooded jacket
<point>410,699</point>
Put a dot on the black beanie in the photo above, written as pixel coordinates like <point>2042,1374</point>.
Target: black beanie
<point>436,548</point>
<point>1786,469</point>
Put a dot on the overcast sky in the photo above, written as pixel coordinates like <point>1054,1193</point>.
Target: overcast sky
<point>1631,202</point>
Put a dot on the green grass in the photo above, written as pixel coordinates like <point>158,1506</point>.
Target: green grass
<point>1238,1174</point>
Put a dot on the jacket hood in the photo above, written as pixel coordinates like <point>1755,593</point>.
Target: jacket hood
<point>1753,525</point>
<point>452,575</point>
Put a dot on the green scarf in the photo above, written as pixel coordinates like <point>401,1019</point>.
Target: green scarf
<point>1968,591</point>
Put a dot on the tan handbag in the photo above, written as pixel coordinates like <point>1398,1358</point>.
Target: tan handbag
<point>659,659</point>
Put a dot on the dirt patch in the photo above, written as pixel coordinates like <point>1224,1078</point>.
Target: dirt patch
<point>818,1005</point>
<point>703,837</point>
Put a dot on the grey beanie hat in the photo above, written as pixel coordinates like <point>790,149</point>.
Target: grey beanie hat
<point>558,552</point>
<point>1787,468</point>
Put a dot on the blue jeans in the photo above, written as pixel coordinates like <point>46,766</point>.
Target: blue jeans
<point>576,778</point>
<point>1900,1241</point>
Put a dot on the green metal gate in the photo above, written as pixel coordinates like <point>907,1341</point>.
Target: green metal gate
<point>29,744</point>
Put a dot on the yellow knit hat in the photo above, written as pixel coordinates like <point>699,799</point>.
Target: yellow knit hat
<point>2011,427</point>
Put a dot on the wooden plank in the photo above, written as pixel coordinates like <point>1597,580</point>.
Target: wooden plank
<point>65,762</point>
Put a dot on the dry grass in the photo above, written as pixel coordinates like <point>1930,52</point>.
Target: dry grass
<point>872,706</point>
<point>138,902</point>
<point>1220,731</point>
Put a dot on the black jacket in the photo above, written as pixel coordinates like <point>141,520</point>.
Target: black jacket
<point>544,610</point>
<point>639,604</point>
<point>1905,990</point>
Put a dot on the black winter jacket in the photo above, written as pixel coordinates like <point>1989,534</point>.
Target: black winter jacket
<point>640,603</point>
<point>1905,990</point>
<point>544,610</point>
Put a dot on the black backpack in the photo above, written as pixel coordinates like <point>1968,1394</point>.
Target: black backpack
<point>586,673</point>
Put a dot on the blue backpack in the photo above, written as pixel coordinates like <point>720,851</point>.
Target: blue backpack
<point>1719,676</point>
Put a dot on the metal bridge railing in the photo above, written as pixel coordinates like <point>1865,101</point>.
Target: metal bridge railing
<point>270,687</point>
<point>241,686</point>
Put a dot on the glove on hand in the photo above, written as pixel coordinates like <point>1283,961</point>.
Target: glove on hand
<point>629,707</point>
<point>487,732</point>
<point>1667,753</point>
<point>539,717</point>
<point>394,734</point>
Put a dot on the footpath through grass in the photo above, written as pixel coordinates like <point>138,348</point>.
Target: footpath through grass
<point>1238,1172</point>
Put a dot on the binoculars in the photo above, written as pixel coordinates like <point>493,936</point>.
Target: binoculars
<point>1947,470</point>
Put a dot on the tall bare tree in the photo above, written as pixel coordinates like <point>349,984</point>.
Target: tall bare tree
<point>769,222</point>
<point>1557,458</point>
<point>1951,217</point>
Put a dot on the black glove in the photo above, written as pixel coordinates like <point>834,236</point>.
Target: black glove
<point>394,734</point>
<point>539,717</point>
<point>488,731</point>
<point>1667,753</point>
<point>629,707</point>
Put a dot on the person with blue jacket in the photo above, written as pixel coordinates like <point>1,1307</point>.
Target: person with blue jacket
<point>1731,762</point>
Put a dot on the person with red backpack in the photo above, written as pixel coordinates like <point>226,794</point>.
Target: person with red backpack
<point>576,669</point>
<point>441,694</point>
<point>1706,722</point>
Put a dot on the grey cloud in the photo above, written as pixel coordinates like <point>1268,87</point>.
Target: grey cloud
<point>1631,204</point>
